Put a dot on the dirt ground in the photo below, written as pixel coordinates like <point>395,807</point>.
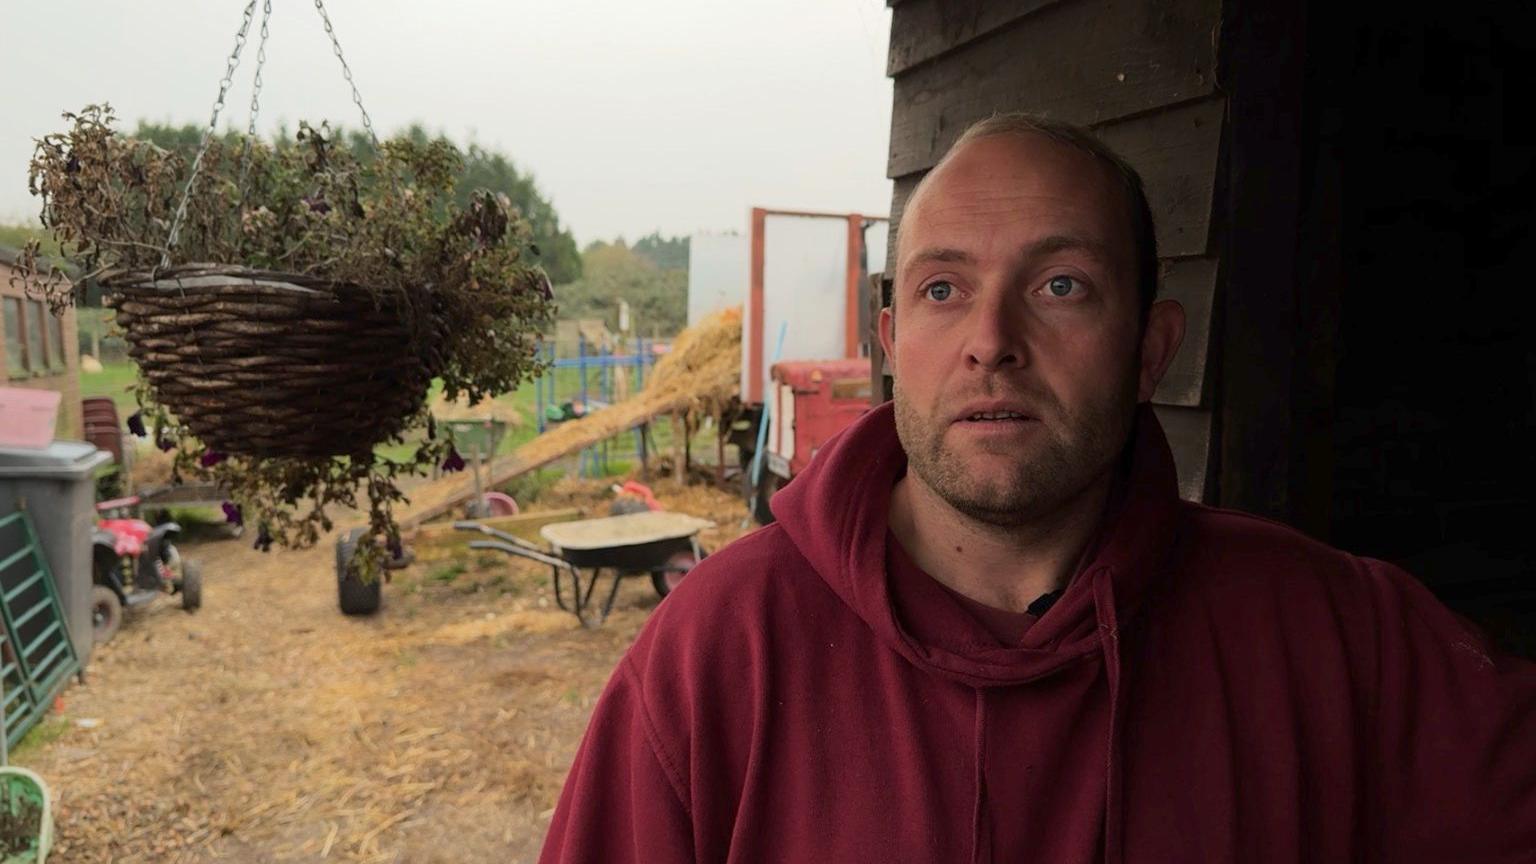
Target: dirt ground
<point>269,727</point>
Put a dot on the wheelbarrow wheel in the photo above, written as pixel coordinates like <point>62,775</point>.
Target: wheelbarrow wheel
<point>106,614</point>
<point>191,586</point>
<point>665,579</point>
<point>355,596</point>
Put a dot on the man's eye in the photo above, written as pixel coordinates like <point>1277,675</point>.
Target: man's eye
<point>939,291</point>
<point>1061,286</point>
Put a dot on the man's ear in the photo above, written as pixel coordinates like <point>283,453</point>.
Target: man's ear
<point>1160,341</point>
<point>888,333</point>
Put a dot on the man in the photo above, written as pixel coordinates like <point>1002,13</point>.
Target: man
<point>985,628</point>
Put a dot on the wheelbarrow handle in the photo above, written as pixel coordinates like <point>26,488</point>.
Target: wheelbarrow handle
<point>522,552</point>
<point>499,535</point>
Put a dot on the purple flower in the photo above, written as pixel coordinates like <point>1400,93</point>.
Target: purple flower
<point>396,551</point>
<point>136,424</point>
<point>165,444</point>
<point>454,462</point>
<point>263,539</point>
<point>211,458</point>
<point>232,513</point>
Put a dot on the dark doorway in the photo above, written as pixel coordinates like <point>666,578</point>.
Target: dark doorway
<point>1422,184</point>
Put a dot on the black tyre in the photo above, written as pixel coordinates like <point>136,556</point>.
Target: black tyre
<point>355,596</point>
<point>757,501</point>
<point>106,614</point>
<point>191,586</point>
<point>668,578</point>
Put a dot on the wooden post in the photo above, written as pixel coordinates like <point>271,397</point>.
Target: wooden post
<point>687,446</point>
<point>679,451</point>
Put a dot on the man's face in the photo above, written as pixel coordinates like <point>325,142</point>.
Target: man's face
<point>1015,350</point>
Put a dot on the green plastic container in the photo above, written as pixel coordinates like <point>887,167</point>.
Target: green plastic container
<point>22,791</point>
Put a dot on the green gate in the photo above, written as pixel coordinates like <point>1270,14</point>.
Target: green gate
<point>36,654</point>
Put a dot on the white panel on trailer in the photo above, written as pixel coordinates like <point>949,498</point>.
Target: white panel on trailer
<point>804,284</point>
<point>786,418</point>
<point>719,273</point>
<point>876,236</point>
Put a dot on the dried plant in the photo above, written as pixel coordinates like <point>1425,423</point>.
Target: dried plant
<point>457,278</point>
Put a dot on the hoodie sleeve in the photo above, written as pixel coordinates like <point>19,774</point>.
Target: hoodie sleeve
<point>1457,726</point>
<point>620,803</point>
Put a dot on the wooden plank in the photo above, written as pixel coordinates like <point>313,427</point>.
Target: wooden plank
<point>1192,282</point>
<point>1086,62</point>
<point>1189,436</point>
<point>525,526</point>
<point>901,190</point>
<point>1176,152</point>
<point>924,29</point>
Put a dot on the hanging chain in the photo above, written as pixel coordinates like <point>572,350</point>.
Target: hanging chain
<point>213,123</point>
<point>250,130</point>
<point>218,106</point>
<point>346,72</point>
<point>261,60</point>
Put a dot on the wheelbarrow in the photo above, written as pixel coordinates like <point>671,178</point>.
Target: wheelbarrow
<point>661,544</point>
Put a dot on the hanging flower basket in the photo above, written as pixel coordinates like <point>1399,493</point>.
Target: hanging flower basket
<point>289,303</point>
<point>272,364</point>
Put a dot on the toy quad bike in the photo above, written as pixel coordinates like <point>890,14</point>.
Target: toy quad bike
<point>132,563</point>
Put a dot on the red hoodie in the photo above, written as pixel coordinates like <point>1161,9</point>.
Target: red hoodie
<point>1210,687</point>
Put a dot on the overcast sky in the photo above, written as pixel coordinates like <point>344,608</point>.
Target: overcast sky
<point>673,115</point>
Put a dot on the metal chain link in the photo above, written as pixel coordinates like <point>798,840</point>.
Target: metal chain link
<point>213,122</point>
<point>250,130</point>
<point>261,60</point>
<point>346,72</point>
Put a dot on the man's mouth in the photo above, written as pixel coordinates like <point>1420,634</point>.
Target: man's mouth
<point>994,416</point>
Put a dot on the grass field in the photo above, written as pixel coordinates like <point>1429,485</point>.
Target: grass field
<point>116,380</point>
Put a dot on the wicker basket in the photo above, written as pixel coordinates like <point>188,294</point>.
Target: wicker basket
<point>263,363</point>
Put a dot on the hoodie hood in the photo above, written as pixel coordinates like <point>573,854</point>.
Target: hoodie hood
<point>836,513</point>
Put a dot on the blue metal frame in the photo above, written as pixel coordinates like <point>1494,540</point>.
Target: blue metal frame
<point>608,367</point>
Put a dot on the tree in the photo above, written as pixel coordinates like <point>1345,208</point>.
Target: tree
<point>667,253</point>
<point>483,169</point>
<point>658,298</point>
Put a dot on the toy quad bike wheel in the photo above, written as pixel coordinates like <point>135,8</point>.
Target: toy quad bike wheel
<point>191,587</point>
<point>187,580</point>
<point>106,614</point>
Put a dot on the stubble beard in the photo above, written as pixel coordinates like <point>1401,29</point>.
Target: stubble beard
<point>1070,452</point>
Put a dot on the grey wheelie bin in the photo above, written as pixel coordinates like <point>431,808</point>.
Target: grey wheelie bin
<point>57,487</point>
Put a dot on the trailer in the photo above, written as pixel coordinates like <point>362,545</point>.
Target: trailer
<point>806,277</point>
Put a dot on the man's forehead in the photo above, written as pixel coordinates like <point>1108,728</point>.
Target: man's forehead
<point>1017,180</point>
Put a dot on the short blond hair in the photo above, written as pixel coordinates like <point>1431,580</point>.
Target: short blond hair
<point>1143,231</point>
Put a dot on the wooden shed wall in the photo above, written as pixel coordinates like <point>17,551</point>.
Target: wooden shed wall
<point>1143,76</point>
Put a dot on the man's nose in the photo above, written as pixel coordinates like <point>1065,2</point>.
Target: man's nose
<point>995,337</point>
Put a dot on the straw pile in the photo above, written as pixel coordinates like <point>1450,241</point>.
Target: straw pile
<point>704,365</point>
<point>701,374</point>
